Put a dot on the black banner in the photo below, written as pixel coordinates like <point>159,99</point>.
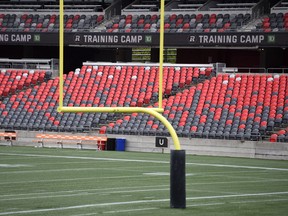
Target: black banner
<point>244,39</point>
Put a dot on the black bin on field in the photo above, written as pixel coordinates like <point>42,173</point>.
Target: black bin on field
<point>111,144</point>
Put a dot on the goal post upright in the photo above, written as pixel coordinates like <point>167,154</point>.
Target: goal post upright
<point>177,161</point>
<point>161,53</point>
<point>61,52</point>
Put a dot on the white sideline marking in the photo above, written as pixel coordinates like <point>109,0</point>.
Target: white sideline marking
<point>146,161</point>
<point>137,202</point>
<point>14,165</point>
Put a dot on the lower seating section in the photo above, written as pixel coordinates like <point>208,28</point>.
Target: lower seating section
<point>280,136</point>
<point>274,22</point>
<point>12,80</point>
<point>225,106</point>
<point>179,23</point>
<point>93,85</point>
<point>245,107</point>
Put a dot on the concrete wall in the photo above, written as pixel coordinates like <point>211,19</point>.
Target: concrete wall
<point>213,147</point>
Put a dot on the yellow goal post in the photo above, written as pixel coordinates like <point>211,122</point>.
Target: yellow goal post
<point>152,111</point>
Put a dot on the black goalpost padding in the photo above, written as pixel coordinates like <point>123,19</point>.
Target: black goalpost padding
<point>177,179</point>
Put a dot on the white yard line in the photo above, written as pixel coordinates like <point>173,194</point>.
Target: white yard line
<point>146,161</point>
<point>262,201</point>
<point>205,204</point>
<point>72,179</point>
<point>88,214</point>
<point>238,195</point>
<point>53,170</point>
<point>137,202</point>
<point>129,210</point>
<point>204,174</point>
<point>106,190</point>
<point>126,169</point>
<point>237,202</point>
<point>84,193</point>
<point>14,165</point>
<point>71,193</point>
<point>87,158</point>
<point>236,166</point>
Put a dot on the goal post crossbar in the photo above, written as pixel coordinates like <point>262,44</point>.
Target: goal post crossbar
<point>154,112</point>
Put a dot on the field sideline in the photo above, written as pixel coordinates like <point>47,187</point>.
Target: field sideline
<point>42,181</point>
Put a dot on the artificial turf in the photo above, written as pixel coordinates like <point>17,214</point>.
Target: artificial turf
<point>42,181</point>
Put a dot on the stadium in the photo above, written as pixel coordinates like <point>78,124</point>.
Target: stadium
<point>218,76</point>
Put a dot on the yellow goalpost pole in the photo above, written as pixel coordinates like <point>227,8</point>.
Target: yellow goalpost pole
<point>161,53</point>
<point>61,51</point>
<point>152,111</point>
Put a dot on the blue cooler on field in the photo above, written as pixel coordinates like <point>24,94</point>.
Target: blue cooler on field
<point>120,144</point>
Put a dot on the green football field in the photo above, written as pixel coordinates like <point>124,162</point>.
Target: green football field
<point>42,181</point>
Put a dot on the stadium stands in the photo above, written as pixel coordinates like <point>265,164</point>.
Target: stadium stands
<point>274,22</point>
<point>47,22</point>
<point>197,102</point>
<point>245,107</point>
<point>140,16</point>
<point>280,136</point>
<point>226,106</point>
<point>179,23</point>
<point>36,108</point>
<point>12,81</point>
<point>43,16</point>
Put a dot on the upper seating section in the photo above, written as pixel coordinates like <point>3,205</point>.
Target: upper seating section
<point>42,16</point>
<point>273,22</point>
<point>52,5</point>
<point>179,23</point>
<point>140,16</point>
<point>43,23</point>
